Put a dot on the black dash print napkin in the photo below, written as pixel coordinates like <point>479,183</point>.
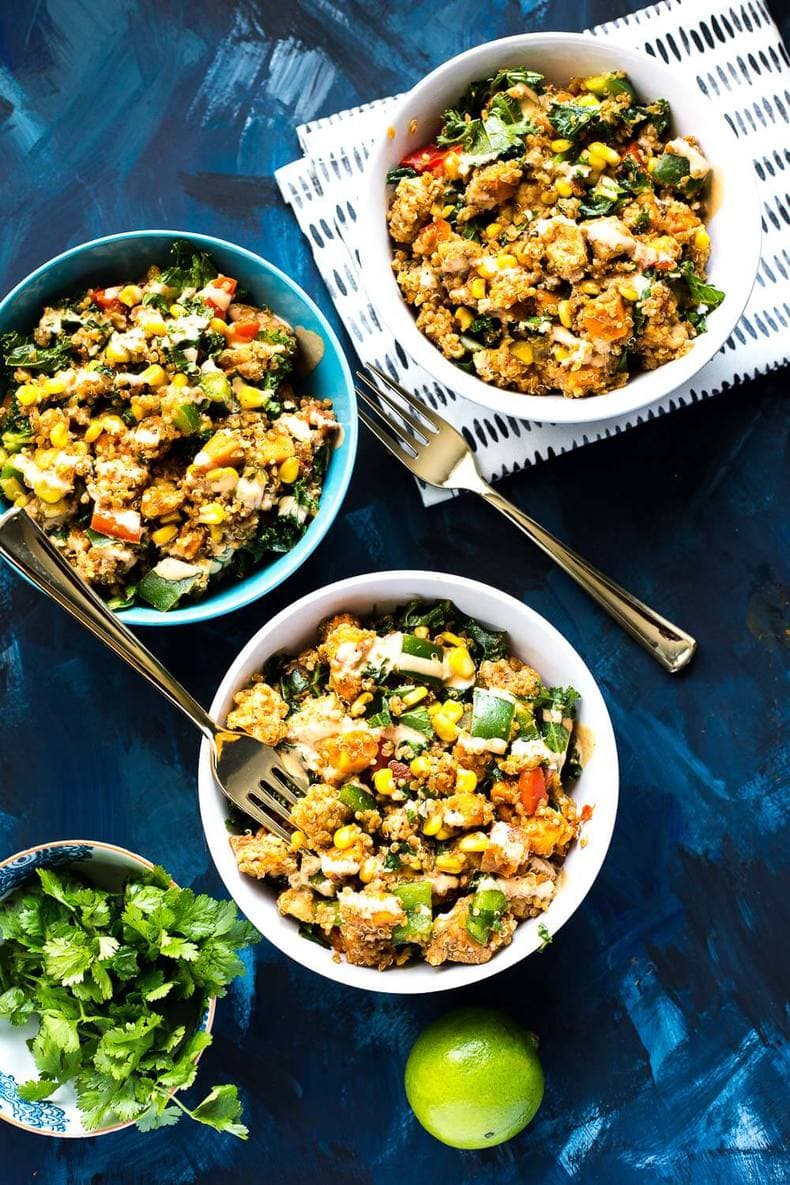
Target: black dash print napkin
<point>740,63</point>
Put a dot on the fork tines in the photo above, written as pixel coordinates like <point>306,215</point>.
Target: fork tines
<point>414,420</point>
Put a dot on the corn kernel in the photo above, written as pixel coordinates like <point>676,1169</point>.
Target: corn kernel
<point>130,295</point>
<point>465,780</point>
<point>628,292</point>
<point>173,517</point>
<point>651,164</point>
<point>598,147</point>
<point>289,471</point>
<point>93,431</point>
<point>298,840</point>
<point>444,728</point>
<point>420,766</point>
<point>179,380</point>
<point>422,631</point>
<point>590,288</point>
<point>447,210</point>
<point>444,833</point>
<point>346,837</point>
<point>597,83</point>
<point>450,639</point>
<point>3,456</point>
<point>115,353</point>
<point>548,197</point>
<point>433,824</point>
<point>22,500</point>
<point>702,239</point>
<point>152,324</point>
<point>177,310</point>
<point>368,870</point>
<point>451,166</point>
<point>487,267</point>
<point>359,704</point>
<point>164,535</point>
<point>564,310</point>
<point>11,488</point>
<point>561,354</point>
<point>493,229</point>
<point>212,514</point>
<point>447,862</point>
<point>561,145</point>
<point>224,476</point>
<point>413,697</point>
<point>587,101</point>
<point>384,781</point>
<point>475,841</point>
<point>56,385</point>
<point>522,351</point>
<point>48,491</point>
<point>478,288</point>
<point>113,424</point>
<point>154,375</point>
<point>464,317</point>
<point>460,662</point>
<point>216,534</point>
<point>563,187</point>
<point>59,435</point>
<point>251,397</point>
<point>597,162</point>
<point>217,325</point>
<point>505,261</point>
<point>452,710</point>
<point>434,709</point>
<point>27,394</point>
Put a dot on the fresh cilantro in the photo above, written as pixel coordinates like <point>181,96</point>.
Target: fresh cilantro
<point>700,292</point>
<point>545,937</point>
<point>188,268</point>
<point>487,137</point>
<point>111,978</point>
<point>658,113</point>
<point>604,199</point>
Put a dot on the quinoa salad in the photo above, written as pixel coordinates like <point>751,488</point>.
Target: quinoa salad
<point>439,811</point>
<point>153,431</point>
<point>552,239</point>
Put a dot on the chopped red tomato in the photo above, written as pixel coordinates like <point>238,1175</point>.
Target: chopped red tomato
<point>429,159</point>
<point>219,293</point>
<point>532,789</point>
<point>245,331</point>
<point>105,298</point>
<point>635,152</point>
<point>435,232</point>
<point>586,813</point>
<point>117,524</point>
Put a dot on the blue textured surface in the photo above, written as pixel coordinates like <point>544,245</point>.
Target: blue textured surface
<point>659,1007</point>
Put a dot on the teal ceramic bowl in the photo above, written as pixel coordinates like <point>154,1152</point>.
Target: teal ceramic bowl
<point>127,256</point>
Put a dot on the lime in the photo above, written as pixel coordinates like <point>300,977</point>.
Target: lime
<point>473,1078</point>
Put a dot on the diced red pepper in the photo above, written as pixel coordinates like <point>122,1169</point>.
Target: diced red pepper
<point>532,789</point>
<point>429,159</point>
<point>244,331</point>
<point>106,298</point>
<point>117,524</point>
<point>635,152</point>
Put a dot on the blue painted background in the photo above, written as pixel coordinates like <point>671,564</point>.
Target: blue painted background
<point>659,1008</point>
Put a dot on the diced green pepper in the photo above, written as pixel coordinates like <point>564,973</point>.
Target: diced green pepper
<point>187,418</point>
<point>379,713</point>
<point>492,713</point>
<point>421,659</point>
<point>164,594</point>
<point>357,798</point>
<point>415,897</point>
<point>525,720</point>
<point>216,385</point>
<point>485,913</point>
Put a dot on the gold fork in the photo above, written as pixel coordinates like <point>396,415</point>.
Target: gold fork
<point>434,451</point>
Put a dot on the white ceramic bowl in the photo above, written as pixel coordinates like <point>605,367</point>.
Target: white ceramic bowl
<point>734,226</point>
<point>106,865</point>
<point>532,639</point>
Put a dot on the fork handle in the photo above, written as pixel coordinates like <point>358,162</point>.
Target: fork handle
<point>27,549</point>
<point>672,647</point>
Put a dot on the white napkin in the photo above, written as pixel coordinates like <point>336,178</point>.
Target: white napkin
<point>741,65</point>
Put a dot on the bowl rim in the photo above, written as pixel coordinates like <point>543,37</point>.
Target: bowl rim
<point>259,583</point>
<point>556,409</point>
<point>211,1004</point>
<point>397,981</point>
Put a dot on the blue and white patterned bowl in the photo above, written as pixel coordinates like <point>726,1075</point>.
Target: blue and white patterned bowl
<point>107,865</point>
